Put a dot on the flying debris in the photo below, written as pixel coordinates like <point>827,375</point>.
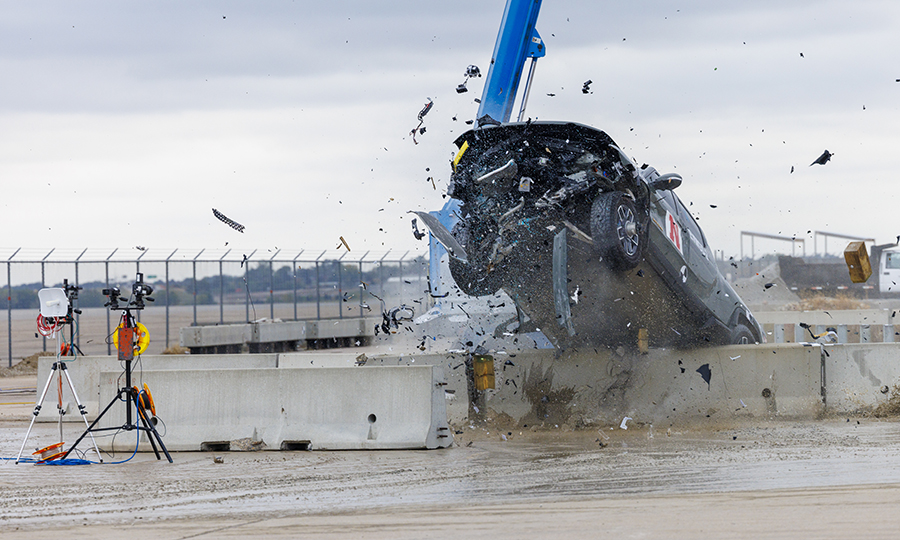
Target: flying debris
<point>421,117</point>
<point>419,235</point>
<point>344,242</point>
<point>706,373</point>
<point>823,159</point>
<point>586,89</point>
<point>230,222</point>
<point>471,72</point>
<point>140,248</point>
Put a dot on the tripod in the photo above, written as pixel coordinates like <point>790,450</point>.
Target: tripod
<point>59,369</point>
<point>125,346</point>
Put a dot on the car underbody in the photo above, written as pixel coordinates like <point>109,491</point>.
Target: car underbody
<point>559,218</point>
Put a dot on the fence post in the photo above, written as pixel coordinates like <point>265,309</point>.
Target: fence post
<point>222,289</point>
<point>194,281</point>
<point>358,287</point>
<point>108,332</point>
<point>272,285</point>
<point>294,272</point>
<point>78,315</point>
<point>340,294</point>
<point>168,301</point>
<point>44,284</point>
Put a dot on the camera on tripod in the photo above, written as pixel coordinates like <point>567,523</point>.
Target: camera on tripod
<point>140,292</point>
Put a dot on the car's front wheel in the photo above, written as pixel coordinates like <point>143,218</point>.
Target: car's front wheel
<point>616,230</point>
<point>741,335</point>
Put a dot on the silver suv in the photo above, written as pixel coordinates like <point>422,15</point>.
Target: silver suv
<point>592,248</point>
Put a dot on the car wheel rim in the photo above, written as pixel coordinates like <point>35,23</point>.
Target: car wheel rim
<point>626,230</point>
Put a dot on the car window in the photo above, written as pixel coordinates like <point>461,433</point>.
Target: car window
<point>689,221</point>
<point>669,197</point>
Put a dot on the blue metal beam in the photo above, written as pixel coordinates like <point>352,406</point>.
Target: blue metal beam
<point>517,40</point>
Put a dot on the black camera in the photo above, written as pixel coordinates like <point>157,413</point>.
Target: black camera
<point>140,291</point>
<point>113,294</point>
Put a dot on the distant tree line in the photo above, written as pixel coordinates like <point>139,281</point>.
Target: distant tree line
<point>259,281</point>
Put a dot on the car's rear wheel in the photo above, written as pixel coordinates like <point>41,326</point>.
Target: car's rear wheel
<point>741,335</point>
<point>616,230</point>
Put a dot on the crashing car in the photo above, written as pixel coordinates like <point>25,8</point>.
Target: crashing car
<point>592,248</point>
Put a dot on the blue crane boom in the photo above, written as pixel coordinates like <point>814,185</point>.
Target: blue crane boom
<point>517,40</point>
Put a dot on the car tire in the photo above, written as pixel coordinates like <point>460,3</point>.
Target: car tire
<point>741,335</point>
<point>616,230</point>
<point>472,279</point>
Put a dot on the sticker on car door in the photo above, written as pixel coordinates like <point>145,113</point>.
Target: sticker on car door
<point>673,231</point>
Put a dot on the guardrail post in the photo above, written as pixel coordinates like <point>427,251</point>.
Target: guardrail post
<point>842,333</point>
<point>778,333</point>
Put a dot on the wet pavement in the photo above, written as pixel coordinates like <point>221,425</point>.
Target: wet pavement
<point>546,466</point>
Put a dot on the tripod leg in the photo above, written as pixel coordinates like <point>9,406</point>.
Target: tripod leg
<point>37,410</point>
<point>145,420</point>
<point>153,434</point>
<point>90,428</point>
<point>83,411</point>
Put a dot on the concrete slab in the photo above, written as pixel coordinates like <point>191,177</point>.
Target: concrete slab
<point>288,408</point>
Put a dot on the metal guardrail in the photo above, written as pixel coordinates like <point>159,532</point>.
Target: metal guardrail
<point>336,279</point>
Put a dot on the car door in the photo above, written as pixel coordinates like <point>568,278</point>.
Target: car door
<point>666,236</point>
<point>700,271</point>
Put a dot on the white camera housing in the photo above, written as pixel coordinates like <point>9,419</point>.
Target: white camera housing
<point>54,302</point>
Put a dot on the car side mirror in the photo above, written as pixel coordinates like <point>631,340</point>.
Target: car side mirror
<point>667,181</point>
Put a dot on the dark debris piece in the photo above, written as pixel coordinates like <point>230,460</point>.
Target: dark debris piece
<point>823,159</point>
<point>471,72</point>
<point>418,234</point>
<point>586,89</point>
<point>230,222</point>
<point>421,118</point>
<point>706,372</point>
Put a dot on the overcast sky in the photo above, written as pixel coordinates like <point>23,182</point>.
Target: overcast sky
<point>124,123</point>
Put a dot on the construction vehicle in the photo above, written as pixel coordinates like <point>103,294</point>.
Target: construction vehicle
<point>594,249</point>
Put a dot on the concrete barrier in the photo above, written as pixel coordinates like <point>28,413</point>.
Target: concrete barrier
<point>277,336</point>
<point>85,375</point>
<point>860,377</point>
<point>291,408</point>
<point>664,387</point>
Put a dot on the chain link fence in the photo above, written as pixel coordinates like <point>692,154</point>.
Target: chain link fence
<point>201,287</point>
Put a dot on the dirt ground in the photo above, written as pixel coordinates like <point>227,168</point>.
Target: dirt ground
<point>838,478</point>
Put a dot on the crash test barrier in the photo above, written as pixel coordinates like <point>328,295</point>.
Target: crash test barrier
<point>670,386</point>
<point>278,336</point>
<point>209,401</point>
<point>319,401</point>
<point>850,326</point>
